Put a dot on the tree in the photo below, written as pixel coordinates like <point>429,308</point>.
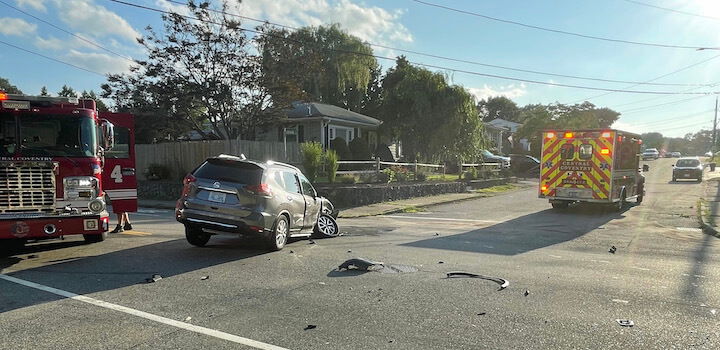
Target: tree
<point>9,88</point>
<point>201,71</point>
<point>434,120</point>
<point>44,91</point>
<point>499,107</point>
<point>653,140</point>
<point>323,64</point>
<point>67,91</point>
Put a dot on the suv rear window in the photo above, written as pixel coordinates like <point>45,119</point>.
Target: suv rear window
<point>232,171</point>
<point>686,163</point>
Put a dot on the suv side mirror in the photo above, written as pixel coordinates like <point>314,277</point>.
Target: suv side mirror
<point>108,134</point>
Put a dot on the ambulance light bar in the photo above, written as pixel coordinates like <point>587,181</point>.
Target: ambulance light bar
<point>47,99</point>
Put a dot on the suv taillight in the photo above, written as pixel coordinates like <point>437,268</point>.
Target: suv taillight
<point>189,178</point>
<point>260,190</point>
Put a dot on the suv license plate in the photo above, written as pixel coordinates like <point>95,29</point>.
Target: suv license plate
<point>216,197</point>
<point>687,175</point>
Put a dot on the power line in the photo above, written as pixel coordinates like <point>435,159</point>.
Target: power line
<point>446,58</point>
<point>425,64</point>
<point>672,10</point>
<point>662,104</point>
<point>658,78</point>
<point>686,126</point>
<point>67,31</point>
<point>563,31</point>
<point>50,58</point>
<point>672,120</point>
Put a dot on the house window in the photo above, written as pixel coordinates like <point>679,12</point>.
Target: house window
<point>350,135</point>
<point>331,133</point>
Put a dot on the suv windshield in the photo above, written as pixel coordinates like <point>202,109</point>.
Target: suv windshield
<point>47,135</point>
<point>688,163</point>
<point>230,170</point>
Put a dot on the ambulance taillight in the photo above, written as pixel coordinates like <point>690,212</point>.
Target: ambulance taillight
<point>550,135</point>
<point>605,151</point>
<point>569,135</point>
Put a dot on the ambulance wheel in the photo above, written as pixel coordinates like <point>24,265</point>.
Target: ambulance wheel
<point>641,194</point>
<point>560,205</point>
<point>95,238</point>
<point>621,203</point>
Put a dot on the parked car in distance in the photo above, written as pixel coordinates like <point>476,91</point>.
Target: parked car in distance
<point>708,154</point>
<point>524,164</point>
<point>233,195</point>
<point>650,153</point>
<point>687,168</point>
<point>675,154</point>
<point>489,157</point>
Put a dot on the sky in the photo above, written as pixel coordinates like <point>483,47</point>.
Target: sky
<point>461,33</point>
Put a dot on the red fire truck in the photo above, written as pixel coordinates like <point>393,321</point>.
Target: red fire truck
<point>59,161</point>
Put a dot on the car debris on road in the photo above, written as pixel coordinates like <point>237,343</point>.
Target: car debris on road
<point>625,323</point>
<point>502,282</point>
<point>153,279</point>
<point>361,264</point>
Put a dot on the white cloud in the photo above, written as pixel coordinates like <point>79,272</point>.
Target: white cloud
<point>373,24</point>
<point>33,4</point>
<point>94,19</point>
<point>98,62</point>
<point>172,7</point>
<point>510,91</point>
<point>16,26</point>
<point>53,43</point>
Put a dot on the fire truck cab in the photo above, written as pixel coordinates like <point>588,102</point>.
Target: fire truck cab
<point>59,159</point>
<point>596,166</point>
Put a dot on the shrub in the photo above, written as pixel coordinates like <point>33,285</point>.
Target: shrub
<point>383,152</point>
<point>389,175</point>
<point>421,176</point>
<point>470,174</point>
<point>331,164</point>
<point>401,174</point>
<point>340,146</point>
<point>360,149</point>
<point>312,154</point>
<point>347,179</point>
<point>157,172</point>
<point>384,176</point>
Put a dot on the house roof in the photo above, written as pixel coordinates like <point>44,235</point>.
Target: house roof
<point>316,109</point>
<point>502,123</point>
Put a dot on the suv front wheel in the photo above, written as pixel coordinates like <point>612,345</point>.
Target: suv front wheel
<point>196,236</point>
<point>278,236</point>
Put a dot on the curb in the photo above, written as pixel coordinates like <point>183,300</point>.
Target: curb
<point>401,209</point>
<point>707,229</point>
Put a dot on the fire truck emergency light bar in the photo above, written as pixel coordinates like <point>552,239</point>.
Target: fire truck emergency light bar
<point>23,102</point>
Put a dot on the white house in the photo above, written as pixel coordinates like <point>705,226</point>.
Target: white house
<point>501,136</point>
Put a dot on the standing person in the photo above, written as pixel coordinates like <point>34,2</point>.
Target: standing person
<point>123,222</point>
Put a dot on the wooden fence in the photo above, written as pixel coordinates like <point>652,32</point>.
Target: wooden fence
<point>181,157</point>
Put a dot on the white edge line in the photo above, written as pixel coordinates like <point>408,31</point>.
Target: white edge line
<point>164,320</point>
<point>439,219</point>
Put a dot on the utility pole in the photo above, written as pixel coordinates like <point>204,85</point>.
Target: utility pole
<point>713,148</point>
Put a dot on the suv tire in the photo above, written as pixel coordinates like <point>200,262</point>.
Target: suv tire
<point>326,227</point>
<point>95,238</point>
<point>279,235</point>
<point>196,236</point>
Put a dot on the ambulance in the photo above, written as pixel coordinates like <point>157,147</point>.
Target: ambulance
<point>594,166</point>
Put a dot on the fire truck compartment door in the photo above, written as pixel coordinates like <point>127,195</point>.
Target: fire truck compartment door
<point>119,173</point>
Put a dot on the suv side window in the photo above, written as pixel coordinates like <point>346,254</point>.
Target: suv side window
<point>307,188</point>
<point>290,182</point>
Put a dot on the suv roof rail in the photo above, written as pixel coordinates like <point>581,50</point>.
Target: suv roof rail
<point>230,156</point>
<point>272,162</point>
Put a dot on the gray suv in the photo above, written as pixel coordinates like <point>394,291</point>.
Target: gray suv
<point>275,201</point>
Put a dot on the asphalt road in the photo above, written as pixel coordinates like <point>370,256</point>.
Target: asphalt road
<point>663,277</point>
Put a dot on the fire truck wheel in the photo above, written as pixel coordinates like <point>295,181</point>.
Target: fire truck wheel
<point>11,246</point>
<point>560,205</point>
<point>196,236</point>
<point>95,238</point>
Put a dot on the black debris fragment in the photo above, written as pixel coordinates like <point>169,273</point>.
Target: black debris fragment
<point>502,282</point>
<point>32,256</point>
<point>204,278</point>
<point>292,252</point>
<point>310,241</point>
<point>153,279</point>
<point>613,249</point>
<point>625,323</point>
<point>349,251</point>
<point>310,326</point>
<point>527,292</point>
<point>437,234</point>
<point>441,262</point>
<point>482,314</point>
<point>361,264</point>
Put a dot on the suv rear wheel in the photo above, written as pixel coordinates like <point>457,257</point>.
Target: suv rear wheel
<point>196,236</point>
<point>279,234</point>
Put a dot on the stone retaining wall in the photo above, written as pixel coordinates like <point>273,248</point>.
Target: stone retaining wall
<point>344,196</point>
